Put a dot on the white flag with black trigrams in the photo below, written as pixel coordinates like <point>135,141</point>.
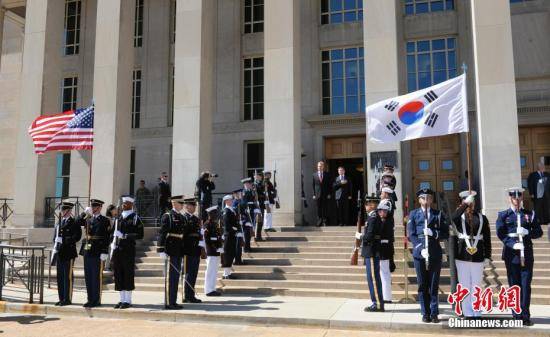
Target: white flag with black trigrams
<point>439,110</point>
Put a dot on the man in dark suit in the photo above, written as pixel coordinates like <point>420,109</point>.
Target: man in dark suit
<point>538,184</point>
<point>164,194</point>
<point>342,193</point>
<point>321,192</point>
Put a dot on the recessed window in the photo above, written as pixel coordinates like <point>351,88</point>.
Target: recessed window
<point>426,6</point>
<point>63,173</point>
<point>132,170</point>
<point>423,165</point>
<point>138,24</point>
<point>523,161</point>
<point>447,165</point>
<point>448,185</point>
<point>73,10</point>
<point>430,62</point>
<point>338,11</point>
<point>253,88</point>
<point>69,92</point>
<point>343,81</point>
<point>254,157</point>
<point>253,16</point>
<point>136,99</point>
<point>424,184</point>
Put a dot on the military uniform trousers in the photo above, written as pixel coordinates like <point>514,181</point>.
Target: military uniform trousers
<point>211,274</point>
<point>65,279</point>
<point>385,276</point>
<point>191,265</point>
<point>173,267</point>
<point>470,275</point>
<point>230,245</point>
<point>428,285</point>
<point>247,236</point>
<point>239,249</point>
<point>375,283</point>
<point>268,218</point>
<point>93,275</point>
<point>123,264</point>
<point>522,277</point>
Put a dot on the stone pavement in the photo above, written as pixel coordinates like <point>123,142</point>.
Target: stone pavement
<point>282,311</point>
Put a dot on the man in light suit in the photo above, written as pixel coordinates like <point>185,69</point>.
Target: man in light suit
<point>342,193</point>
<point>321,192</point>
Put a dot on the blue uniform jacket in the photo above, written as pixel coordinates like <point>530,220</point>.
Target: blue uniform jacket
<point>415,232</point>
<point>507,223</point>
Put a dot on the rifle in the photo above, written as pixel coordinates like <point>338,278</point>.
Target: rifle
<point>114,243</point>
<point>55,248</point>
<point>277,204</point>
<point>426,239</point>
<point>355,253</point>
<point>520,238</point>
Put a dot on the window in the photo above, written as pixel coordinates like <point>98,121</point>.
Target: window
<point>253,16</point>
<point>132,170</point>
<point>171,97</point>
<point>73,9</point>
<point>136,98</point>
<point>173,21</point>
<point>448,185</point>
<point>430,62</point>
<point>254,157</point>
<point>338,11</point>
<point>253,88</point>
<point>69,93</point>
<point>447,165</point>
<point>63,172</point>
<point>425,6</point>
<point>423,165</point>
<point>523,161</point>
<point>343,81</point>
<point>424,184</point>
<point>138,24</point>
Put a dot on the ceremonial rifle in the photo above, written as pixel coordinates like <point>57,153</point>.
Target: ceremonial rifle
<point>355,253</point>
<point>55,249</point>
<point>277,203</point>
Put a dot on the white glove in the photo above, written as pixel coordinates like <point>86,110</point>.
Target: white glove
<point>313,197</point>
<point>103,257</point>
<point>220,250</point>
<point>428,232</point>
<point>469,200</point>
<point>248,224</point>
<point>358,235</point>
<point>425,253</point>
<point>257,211</point>
<point>88,210</point>
<point>518,246</point>
<point>522,231</point>
<point>163,256</point>
<point>486,262</point>
<point>239,235</point>
<point>119,234</point>
<point>59,240</point>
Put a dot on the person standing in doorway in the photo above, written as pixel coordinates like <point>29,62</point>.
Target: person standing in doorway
<point>342,193</point>
<point>164,194</point>
<point>539,190</point>
<point>321,193</point>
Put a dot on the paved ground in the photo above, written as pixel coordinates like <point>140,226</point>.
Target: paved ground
<point>236,312</point>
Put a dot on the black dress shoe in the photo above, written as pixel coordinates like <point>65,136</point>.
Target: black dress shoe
<point>58,303</point>
<point>228,277</point>
<point>426,319</point>
<point>192,300</point>
<point>64,303</point>
<point>125,306</point>
<point>528,322</point>
<point>118,305</point>
<point>435,319</point>
<point>214,293</point>
<point>173,307</point>
<point>87,305</point>
<point>387,302</point>
<point>259,239</point>
<point>373,308</point>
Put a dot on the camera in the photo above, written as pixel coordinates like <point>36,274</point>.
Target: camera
<point>213,175</point>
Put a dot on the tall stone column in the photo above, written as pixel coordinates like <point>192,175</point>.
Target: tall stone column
<point>35,175</point>
<point>496,102</point>
<point>282,97</point>
<point>194,94</point>
<point>381,75</point>
<point>2,14</point>
<point>114,61</point>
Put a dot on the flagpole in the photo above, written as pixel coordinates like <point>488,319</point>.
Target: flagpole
<point>91,161</point>
<point>468,136</point>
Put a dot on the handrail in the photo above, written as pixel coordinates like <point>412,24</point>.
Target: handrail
<point>6,211</point>
<point>26,264</point>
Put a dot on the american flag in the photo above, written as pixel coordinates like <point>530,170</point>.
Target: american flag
<point>70,130</point>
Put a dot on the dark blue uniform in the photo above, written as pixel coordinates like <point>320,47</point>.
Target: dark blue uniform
<point>171,242</point>
<point>247,207</point>
<point>231,228</point>
<point>192,241</point>
<point>428,280</point>
<point>124,255</point>
<point>240,238</point>
<point>70,233</point>
<point>517,274</point>
<point>95,243</point>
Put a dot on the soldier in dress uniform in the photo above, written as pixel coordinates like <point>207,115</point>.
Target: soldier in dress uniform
<point>94,249</point>
<point>270,193</point>
<point>388,180</point>
<point>193,249</point>
<point>425,237</point>
<point>259,189</point>
<point>473,248</point>
<point>67,234</point>
<point>516,228</point>
<point>387,264</point>
<point>171,250</point>
<point>212,233</point>
<point>127,228</point>
<point>237,197</point>
<point>247,211</point>
<point>376,236</point>
<point>232,231</point>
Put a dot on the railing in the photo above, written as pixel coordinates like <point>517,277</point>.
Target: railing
<point>147,207</point>
<point>7,238</point>
<point>53,205</point>
<point>6,211</point>
<point>24,264</point>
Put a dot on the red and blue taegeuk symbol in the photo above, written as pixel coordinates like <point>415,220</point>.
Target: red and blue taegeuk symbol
<point>411,112</point>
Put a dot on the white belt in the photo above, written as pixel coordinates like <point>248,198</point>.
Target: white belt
<point>467,237</point>
<point>234,228</point>
<point>214,239</point>
<point>248,224</point>
<point>384,241</point>
<point>239,235</point>
<point>513,235</point>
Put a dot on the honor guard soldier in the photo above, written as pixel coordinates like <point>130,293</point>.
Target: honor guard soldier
<point>270,193</point>
<point>67,234</point>
<point>193,249</point>
<point>232,232</point>
<point>516,228</point>
<point>388,180</point>
<point>376,234</point>
<point>259,189</point>
<point>237,197</point>
<point>171,250</point>
<point>425,229</point>
<point>212,233</point>
<point>387,264</point>
<point>473,248</point>
<point>94,249</point>
<point>247,209</point>
<point>126,230</point>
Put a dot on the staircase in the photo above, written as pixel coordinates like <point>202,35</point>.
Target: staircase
<point>310,261</point>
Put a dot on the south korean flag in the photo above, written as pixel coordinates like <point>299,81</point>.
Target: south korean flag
<point>439,110</point>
